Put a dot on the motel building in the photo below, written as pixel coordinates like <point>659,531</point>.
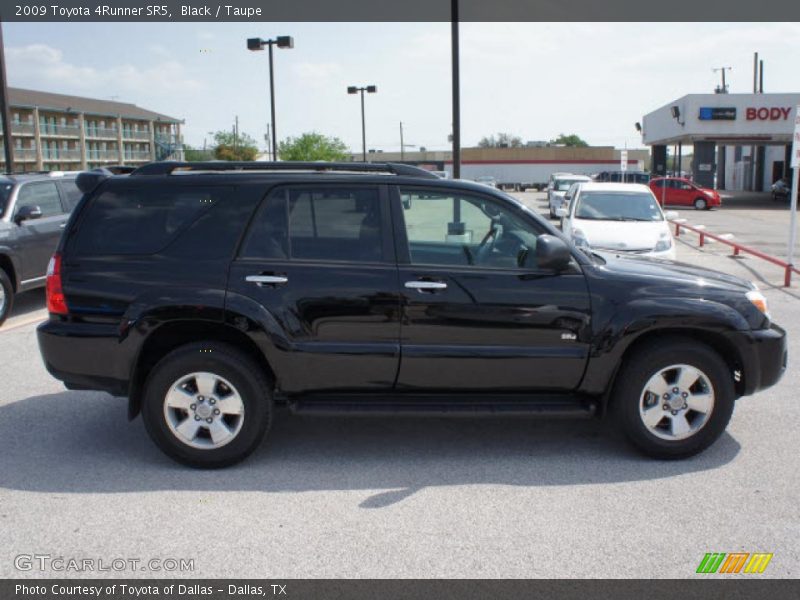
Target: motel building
<point>737,141</point>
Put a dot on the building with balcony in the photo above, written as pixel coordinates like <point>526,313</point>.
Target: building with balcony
<point>67,133</point>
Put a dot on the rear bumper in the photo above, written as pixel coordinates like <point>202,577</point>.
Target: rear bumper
<point>764,357</point>
<point>86,357</point>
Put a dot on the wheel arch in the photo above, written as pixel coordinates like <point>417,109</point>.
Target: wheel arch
<point>172,335</point>
<point>7,264</point>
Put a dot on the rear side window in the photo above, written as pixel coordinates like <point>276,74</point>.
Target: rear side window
<point>140,221</point>
<point>71,193</point>
<point>337,223</point>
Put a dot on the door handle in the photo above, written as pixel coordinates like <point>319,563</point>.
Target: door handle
<point>423,286</point>
<point>267,279</point>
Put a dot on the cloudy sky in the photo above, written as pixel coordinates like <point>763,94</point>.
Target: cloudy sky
<point>535,80</point>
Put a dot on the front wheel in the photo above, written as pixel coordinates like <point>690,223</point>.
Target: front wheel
<point>207,405</point>
<point>674,398</point>
<point>700,204</point>
<point>6,296</point>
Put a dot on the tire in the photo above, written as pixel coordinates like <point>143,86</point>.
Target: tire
<point>6,296</point>
<point>668,437</point>
<point>205,383</point>
<point>700,204</point>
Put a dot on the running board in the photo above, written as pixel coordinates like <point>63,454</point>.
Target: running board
<point>416,405</point>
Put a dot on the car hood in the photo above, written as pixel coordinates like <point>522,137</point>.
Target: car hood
<point>624,236</point>
<point>673,271</point>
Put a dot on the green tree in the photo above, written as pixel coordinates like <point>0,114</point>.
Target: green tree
<point>501,140</point>
<point>572,140</point>
<point>230,147</point>
<point>312,146</point>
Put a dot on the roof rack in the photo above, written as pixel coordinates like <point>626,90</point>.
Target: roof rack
<point>169,167</point>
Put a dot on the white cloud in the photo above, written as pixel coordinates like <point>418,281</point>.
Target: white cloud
<point>317,75</point>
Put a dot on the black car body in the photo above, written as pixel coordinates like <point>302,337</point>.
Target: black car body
<point>339,294</point>
<point>33,213</point>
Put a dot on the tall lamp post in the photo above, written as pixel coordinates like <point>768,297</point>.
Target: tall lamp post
<point>370,89</point>
<point>255,45</point>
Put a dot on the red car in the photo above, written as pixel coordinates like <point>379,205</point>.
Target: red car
<point>676,191</point>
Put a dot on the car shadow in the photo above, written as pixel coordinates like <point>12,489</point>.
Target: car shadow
<point>81,442</point>
<point>26,304</point>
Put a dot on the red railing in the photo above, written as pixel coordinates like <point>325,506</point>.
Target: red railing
<point>737,248</point>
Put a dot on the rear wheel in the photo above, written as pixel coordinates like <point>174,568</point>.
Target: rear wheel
<point>700,204</point>
<point>207,405</point>
<point>6,296</point>
<point>674,399</point>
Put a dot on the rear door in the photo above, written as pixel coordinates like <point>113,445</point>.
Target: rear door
<point>36,239</point>
<point>320,261</point>
<point>478,314</point>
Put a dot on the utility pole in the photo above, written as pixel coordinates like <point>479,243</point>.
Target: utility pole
<point>456,90</point>
<point>724,88</point>
<point>402,146</point>
<point>269,146</point>
<point>4,108</point>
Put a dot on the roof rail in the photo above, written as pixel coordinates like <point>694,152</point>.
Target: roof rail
<point>168,167</point>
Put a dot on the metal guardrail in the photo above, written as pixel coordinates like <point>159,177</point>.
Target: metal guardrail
<point>738,248</point>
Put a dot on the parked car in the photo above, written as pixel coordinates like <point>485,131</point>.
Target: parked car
<point>781,190</point>
<point>487,180</point>
<point>677,191</point>
<point>33,212</point>
<point>442,174</point>
<point>623,176</point>
<point>206,297</point>
<point>557,193</point>
<point>618,218</point>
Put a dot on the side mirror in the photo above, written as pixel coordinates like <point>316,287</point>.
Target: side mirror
<point>561,212</point>
<point>27,213</point>
<point>671,215</point>
<point>552,253</point>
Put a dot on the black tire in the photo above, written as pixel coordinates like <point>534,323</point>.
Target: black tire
<point>700,204</point>
<point>225,361</point>
<point>649,360</point>
<point>7,303</point>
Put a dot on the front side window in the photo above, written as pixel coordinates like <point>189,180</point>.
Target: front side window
<point>444,228</point>
<point>618,206</point>
<point>44,195</point>
<point>325,224</point>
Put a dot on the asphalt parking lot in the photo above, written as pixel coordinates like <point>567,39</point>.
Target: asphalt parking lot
<point>399,497</point>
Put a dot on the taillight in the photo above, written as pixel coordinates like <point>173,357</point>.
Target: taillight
<point>56,303</point>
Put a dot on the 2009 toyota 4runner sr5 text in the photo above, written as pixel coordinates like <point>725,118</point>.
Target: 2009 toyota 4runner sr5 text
<point>207,292</point>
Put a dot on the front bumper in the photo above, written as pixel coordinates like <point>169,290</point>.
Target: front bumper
<point>764,357</point>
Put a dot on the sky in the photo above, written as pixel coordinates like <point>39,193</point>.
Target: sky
<point>534,80</point>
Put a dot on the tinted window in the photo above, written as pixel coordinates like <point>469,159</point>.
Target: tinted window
<point>618,206</point>
<point>318,224</point>
<point>44,195</point>
<point>447,229</point>
<point>71,193</point>
<point>141,221</point>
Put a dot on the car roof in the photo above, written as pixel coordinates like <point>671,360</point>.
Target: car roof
<point>608,186</point>
<point>574,176</point>
<point>46,176</point>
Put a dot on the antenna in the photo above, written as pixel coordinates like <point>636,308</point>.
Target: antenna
<point>723,89</point>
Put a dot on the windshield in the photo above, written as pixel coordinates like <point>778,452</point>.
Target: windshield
<point>5,192</point>
<point>562,185</point>
<point>618,206</point>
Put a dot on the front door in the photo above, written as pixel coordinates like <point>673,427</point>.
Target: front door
<point>37,239</point>
<point>478,314</point>
<point>318,260</point>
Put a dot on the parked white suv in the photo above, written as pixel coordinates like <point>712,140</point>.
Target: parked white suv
<point>557,192</point>
<point>618,218</point>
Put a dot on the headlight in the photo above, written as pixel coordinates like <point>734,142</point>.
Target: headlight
<point>759,301</point>
<point>663,245</point>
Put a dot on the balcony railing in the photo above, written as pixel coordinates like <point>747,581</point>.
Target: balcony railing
<point>137,155</point>
<point>20,155</point>
<point>24,128</point>
<point>46,129</point>
<point>135,135</point>
<point>102,155</point>
<point>101,132</point>
<point>61,154</point>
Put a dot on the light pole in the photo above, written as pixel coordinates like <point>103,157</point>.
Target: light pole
<point>256,44</point>
<point>370,89</point>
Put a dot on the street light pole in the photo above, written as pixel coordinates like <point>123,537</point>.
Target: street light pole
<point>257,44</point>
<point>370,89</point>
<point>4,109</point>
<point>456,91</point>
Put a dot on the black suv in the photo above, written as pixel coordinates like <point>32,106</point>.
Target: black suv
<point>33,212</point>
<point>207,292</point>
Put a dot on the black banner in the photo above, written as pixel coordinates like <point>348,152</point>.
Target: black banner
<point>407,10</point>
<point>400,589</point>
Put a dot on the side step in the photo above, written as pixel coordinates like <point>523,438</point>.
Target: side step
<point>419,405</point>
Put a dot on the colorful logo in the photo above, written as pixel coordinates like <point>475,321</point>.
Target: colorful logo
<point>735,562</point>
